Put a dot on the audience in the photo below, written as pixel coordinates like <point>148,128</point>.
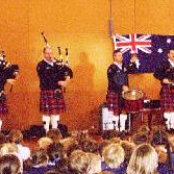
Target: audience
<point>145,152</point>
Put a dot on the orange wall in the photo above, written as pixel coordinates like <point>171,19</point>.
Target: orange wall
<point>82,26</point>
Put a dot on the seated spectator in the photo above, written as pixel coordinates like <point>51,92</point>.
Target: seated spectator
<point>95,163</point>
<point>11,148</point>
<point>55,135</point>
<point>115,140</point>
<point>79,162</point>
<point>16,137</point>
<point>37,164</point>
<point>90,146</point>
<point>44,142</point>
<point>102,145</point>
<point>113,156</point>
<point>144,129</point>
<point>10,164</point>
<point>55,154</point>
<point>144,160</point>
<point>140,138</point>
<point>128,149</point>
<point>165,157</point>
<point>71,148</point>
<point>62,166</point>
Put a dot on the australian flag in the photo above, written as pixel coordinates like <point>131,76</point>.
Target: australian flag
<point>150,49</point>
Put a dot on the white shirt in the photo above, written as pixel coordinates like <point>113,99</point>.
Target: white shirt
<point>24,152</point>
<point>50,63</point>
<point>119,65</point>
<point>171,62</point>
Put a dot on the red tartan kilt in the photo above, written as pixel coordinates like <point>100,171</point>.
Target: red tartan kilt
<point>133,106</point>
<point>113,102</point>
<point>167,98</point>
<point>51,102</point>
<point>3,108</point>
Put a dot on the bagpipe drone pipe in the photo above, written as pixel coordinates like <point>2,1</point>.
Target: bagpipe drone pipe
<point>63,70</point>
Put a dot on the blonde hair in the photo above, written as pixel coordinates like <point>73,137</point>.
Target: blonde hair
<point>144,160</point>
<point>79,162</point>
<point>95,163</point>
<point>8,148</point>
<point>44,142</point>
<point>113,155</point>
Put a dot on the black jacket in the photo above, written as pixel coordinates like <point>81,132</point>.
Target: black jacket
<point>164,70</point>
<point>50,75</point>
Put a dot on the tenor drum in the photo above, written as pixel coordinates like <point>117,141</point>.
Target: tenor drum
<point>133,101</point>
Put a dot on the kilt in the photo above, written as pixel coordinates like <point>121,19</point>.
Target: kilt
<point>52,102</point>
<point>167,98</point>
<point>3,106</point>
<point>114,102</point>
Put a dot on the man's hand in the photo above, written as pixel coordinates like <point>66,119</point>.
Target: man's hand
<point>166,81</point>
<point>125,88</point>
<point>11,81</point>
<point>134,59</point>
<point>62,83</point>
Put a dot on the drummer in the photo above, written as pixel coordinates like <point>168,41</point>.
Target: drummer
<point>165,73</point>
<point>117,75</point>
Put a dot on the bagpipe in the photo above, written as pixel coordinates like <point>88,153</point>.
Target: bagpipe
<point>8,70</point>
<point>63,70</point>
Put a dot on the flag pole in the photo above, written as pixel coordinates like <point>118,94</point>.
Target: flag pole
<point>111,19</point>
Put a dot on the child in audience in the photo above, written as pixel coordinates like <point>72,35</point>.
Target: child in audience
<point>44,142</point>
<point>95,163</point>
<point>79,162</point>
<point>55,154</point>
<point>37,164</point>
<point>114,156</point>
<point>16,137</point>
<point>144,160</point>
<point>10,164</point>
<point>166,158</point>
<point>55,135</point>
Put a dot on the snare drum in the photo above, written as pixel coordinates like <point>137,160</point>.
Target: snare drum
<point>133,101</point>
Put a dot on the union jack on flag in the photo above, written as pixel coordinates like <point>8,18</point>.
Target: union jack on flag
<point>151,49</point>
<point>133,43</point>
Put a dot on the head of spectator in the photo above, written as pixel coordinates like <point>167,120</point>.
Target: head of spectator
<point>79,162</point>
<point>144,160</point>
<point>44,142</point>
<point>10,164</point>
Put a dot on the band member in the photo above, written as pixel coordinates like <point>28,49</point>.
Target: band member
<point>165,73</point>
<point>117,75</point>
<point>52,81</point>
<point>8,74</point>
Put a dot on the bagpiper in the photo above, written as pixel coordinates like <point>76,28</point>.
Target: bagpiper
<point>8,74</point>
<point>53,77</point>
<point>165,73</point>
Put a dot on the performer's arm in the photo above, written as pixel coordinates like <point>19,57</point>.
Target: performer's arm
<point>3,78</point>
<point>160,74</point>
